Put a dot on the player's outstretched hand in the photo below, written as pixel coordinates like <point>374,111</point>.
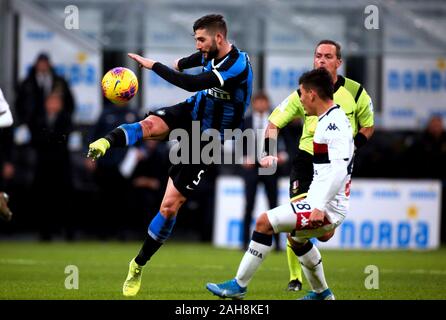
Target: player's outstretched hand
<point>98,148</point>
<point>143,62</point>
<point>268,161</point>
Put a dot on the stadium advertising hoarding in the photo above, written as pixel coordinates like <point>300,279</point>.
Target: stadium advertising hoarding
<point>384,214</point>
<point>289,53</point>
<point>81,67</point>
<point>413,90</point>
<point>282,73</point>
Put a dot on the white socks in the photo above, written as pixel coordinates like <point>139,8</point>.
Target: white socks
<point>251,261</point>
<point>314,271</point>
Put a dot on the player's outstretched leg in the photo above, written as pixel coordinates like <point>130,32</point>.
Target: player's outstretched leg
<point>295,269</point>
<point>133,281</point>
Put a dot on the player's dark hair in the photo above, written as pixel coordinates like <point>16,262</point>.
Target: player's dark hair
<point>320,81</point>
<point>333,43</point>
<point>213,23</point>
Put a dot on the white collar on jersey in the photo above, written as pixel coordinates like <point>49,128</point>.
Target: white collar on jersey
<point>221,62</point>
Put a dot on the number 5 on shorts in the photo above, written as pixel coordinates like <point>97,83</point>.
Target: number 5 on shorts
<point>196,182</point>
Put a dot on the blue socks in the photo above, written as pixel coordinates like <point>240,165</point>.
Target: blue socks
<point>133,132</point>
<point>159,231</point>
<point>160,228</point>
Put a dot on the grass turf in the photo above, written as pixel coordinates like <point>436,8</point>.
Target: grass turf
<point>31,270</point>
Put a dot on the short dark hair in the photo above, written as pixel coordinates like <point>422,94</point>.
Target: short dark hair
<point>333,43</point>
<point>213,23</point>
<point>320,81</point>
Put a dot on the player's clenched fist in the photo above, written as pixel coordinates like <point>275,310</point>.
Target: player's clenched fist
<point>98,148</point>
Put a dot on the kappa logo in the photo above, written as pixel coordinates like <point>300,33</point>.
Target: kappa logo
<point>304,222</point>
<point>332,126</point>
<point>161,112</point>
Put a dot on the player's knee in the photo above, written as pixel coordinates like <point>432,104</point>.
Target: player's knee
<point>153,126</point>
<point>263,225</point>
<point>169,208</point>
<point>326,236</point>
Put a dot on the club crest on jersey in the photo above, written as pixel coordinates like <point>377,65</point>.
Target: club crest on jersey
<point>332,126</point>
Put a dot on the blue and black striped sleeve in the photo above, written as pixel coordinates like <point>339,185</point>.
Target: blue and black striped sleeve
<point>194,60</point>
<point>188,82</point>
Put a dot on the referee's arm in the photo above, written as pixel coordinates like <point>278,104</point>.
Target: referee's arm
<point>365,118</point>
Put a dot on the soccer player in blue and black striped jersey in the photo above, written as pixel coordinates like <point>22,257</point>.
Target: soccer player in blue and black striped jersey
<point>223,94</point>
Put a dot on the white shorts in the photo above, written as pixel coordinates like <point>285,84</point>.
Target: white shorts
<point>294,216</point>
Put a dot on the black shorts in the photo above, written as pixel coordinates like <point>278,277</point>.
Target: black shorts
<point>187,177</point>
<point>301,173</point>
<point>176,116</point>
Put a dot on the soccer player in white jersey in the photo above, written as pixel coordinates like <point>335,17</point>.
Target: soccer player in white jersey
<point>5,121</point>
<point>326,205</point>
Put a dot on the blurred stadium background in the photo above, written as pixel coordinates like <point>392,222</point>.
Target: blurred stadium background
<point>396,49</point>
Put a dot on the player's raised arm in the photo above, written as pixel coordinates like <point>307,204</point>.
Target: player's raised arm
<point>194,60</point>
<point>188,82</point>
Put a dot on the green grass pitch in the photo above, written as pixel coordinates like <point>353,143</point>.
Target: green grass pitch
<point>31,270</point>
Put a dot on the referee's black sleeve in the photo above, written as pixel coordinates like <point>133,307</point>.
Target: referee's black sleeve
<point>189,82</point>
<point>194,60</point>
